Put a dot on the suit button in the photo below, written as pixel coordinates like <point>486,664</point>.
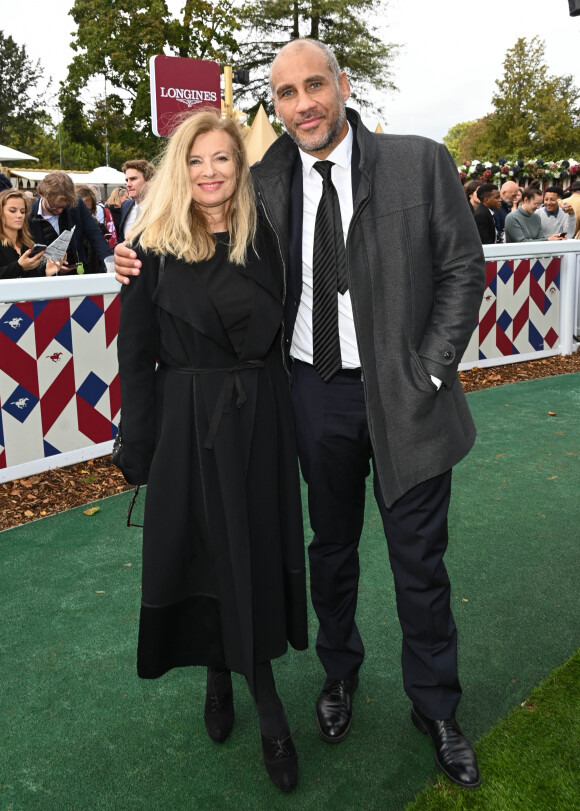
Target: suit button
<point>448,355</point>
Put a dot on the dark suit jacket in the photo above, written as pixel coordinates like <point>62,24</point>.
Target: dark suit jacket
<point>125,209</point>
<point>485,225</point>
<point>86,228</point>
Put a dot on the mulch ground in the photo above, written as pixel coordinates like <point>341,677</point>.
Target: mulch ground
<point>56,490</point>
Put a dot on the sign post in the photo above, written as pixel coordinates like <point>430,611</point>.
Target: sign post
<point>180,85</point>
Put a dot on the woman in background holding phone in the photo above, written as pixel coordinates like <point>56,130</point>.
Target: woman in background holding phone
<point>16,259</point>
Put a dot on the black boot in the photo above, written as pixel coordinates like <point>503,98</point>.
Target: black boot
<point>278,750</point>
<point>218,712</point>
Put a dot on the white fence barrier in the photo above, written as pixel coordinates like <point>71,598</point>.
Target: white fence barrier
<point>59,382</point>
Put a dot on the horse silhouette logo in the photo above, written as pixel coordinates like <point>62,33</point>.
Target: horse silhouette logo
<point>20,403</point>
<point>55,357</point>
<point>14,322</point>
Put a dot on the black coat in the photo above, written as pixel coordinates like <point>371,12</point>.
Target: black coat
<point>223,547</point>
<point>86,230</point>
<point>126,207</point>
<point>9,267</point>
<point>485,225</point>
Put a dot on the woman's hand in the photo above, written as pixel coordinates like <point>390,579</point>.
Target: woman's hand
<point>28,262</point>
<point>52,268</point>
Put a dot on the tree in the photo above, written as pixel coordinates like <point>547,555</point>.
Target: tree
<point>115,40</point>
<point>21,105</point>
<point>340,24</point>
<point>534,113</point>
<point>470,139</point>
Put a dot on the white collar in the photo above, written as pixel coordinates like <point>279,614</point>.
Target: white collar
<point>341,155</point>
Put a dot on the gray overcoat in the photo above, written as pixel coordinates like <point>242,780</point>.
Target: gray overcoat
<point>416,279</point>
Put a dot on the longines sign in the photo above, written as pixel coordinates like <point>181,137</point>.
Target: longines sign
<point>179,85</point>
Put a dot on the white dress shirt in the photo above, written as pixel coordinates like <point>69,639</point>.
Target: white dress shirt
<point>52,218</point>
<point>312,184</point>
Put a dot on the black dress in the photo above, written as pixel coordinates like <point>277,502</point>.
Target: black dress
<point>9,267</point>
<point>212,432</point>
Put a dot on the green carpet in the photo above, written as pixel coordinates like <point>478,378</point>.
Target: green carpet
<point>79,730</point>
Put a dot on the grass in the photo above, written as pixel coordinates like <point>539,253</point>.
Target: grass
<point>530,760</point>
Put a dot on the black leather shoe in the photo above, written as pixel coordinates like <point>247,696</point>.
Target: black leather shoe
<point>281,761</point>
<point>453,753</point>
<point>218,713</point>
<point>334,709</point>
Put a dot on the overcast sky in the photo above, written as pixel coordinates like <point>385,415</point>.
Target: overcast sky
<point>452,51</point>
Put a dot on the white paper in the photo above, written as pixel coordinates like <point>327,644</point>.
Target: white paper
<point>58,248</point>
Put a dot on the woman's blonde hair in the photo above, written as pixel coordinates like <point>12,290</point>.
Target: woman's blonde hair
<point>88,196</point>
<point>114,198</point>
<point>170,222</point>
<point>24,233</point>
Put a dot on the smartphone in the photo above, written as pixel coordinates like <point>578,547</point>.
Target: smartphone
<point>563,234</point>
<point>36,249</point>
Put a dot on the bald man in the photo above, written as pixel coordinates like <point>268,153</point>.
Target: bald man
<point>509,194</point>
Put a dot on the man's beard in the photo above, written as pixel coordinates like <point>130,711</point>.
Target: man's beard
<point>326,139</point>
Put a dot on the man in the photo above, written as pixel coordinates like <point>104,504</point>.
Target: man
<point>557,215</point>
<point>58,209</point>
<point>138,173</point>
<point>574,198</point>
<point>490,202</point>
<point>509,194</point>
<point>524,225</point>
<point>410,298</point>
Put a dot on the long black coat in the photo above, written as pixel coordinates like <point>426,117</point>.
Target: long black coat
<point>223,546</point>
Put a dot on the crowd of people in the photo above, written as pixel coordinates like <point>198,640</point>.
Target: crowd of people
<point>513,214</point>
<point>59,205</point>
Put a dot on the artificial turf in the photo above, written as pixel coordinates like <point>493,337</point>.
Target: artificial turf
<point>79,730</point>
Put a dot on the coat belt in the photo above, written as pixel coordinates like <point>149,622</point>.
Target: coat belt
<point>232,383</point>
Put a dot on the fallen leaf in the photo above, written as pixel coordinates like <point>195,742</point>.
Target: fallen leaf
<point>551,477</point>
<point>29,513</point>
<point>88,479</point>
<point>552,413</point>
<point>91,510</point>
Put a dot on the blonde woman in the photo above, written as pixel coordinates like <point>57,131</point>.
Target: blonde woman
<point>114,202</point>
<point>211,432</point>
<point>16,258</point>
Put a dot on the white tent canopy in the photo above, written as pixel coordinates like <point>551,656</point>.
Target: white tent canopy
<point>8,154</point>
<point>105,176</point>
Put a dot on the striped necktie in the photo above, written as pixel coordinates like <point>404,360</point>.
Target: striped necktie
<point>329,277</point>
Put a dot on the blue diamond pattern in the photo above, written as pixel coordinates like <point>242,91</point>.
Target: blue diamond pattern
<point>14,323</point>
<point>504,320</point>
<point>505,273</point>
<point>87,314</point>
<point>20,404</point>
<point>92,389</point>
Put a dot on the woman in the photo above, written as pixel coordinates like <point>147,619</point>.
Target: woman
<point>107,228</point>
<point>212,433</point>
<point>470,190</point>
<point>16,241</point>
<point>114,202</point>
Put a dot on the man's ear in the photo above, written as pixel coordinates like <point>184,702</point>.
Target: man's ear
<point>344,86</point>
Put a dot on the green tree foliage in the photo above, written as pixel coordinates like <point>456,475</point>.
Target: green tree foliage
<point>342,25</point>
<point>534,113</point>
<point>114,40</point>
<point>470,139</point>
<point>22,116</point>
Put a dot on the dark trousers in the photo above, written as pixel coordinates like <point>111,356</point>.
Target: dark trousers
<point>335,454</point>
